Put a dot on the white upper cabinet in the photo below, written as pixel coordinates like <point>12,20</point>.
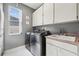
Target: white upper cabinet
<point>65,12</point>
<point>37,17</point>
<point>48,13</point>
<point>34,19</point>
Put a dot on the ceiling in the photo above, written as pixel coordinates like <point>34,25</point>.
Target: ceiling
<point>33,5</point>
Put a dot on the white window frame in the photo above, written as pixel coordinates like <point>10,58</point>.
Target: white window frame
<point>2,18</point>
<point>20,20</point>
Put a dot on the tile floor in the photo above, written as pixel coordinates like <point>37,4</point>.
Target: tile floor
<point>19,51</point>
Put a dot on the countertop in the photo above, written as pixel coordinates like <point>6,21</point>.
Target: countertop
<point>65,41</point>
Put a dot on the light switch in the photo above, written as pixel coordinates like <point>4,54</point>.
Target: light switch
<point>27,17</point>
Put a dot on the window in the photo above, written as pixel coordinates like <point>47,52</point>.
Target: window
<point>14,21</point>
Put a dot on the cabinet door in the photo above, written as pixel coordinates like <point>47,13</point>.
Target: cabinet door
<point>34,19</point>
<point>63,52</point>
<point>65,12</point>
<point>48,13</point>
<point>39,16</point>
<point>51,50</point>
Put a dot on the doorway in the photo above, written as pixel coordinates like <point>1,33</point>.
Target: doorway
<point>1,28</point>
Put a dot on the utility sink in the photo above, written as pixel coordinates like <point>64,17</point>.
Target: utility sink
<point>62,37</point>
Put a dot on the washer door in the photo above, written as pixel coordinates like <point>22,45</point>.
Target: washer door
<point>35,45</point>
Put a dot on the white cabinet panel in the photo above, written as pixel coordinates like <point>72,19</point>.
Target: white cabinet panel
<point>51,50</point>
<point>66,53</point>
<point>70,47</point>
<point>34,18</point>
<point>63,49</point>
<point>37,17</point>
<point>65,12</point>
<point>48,13</point>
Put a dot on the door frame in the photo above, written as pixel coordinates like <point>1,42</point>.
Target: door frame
<point>2,27</point>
